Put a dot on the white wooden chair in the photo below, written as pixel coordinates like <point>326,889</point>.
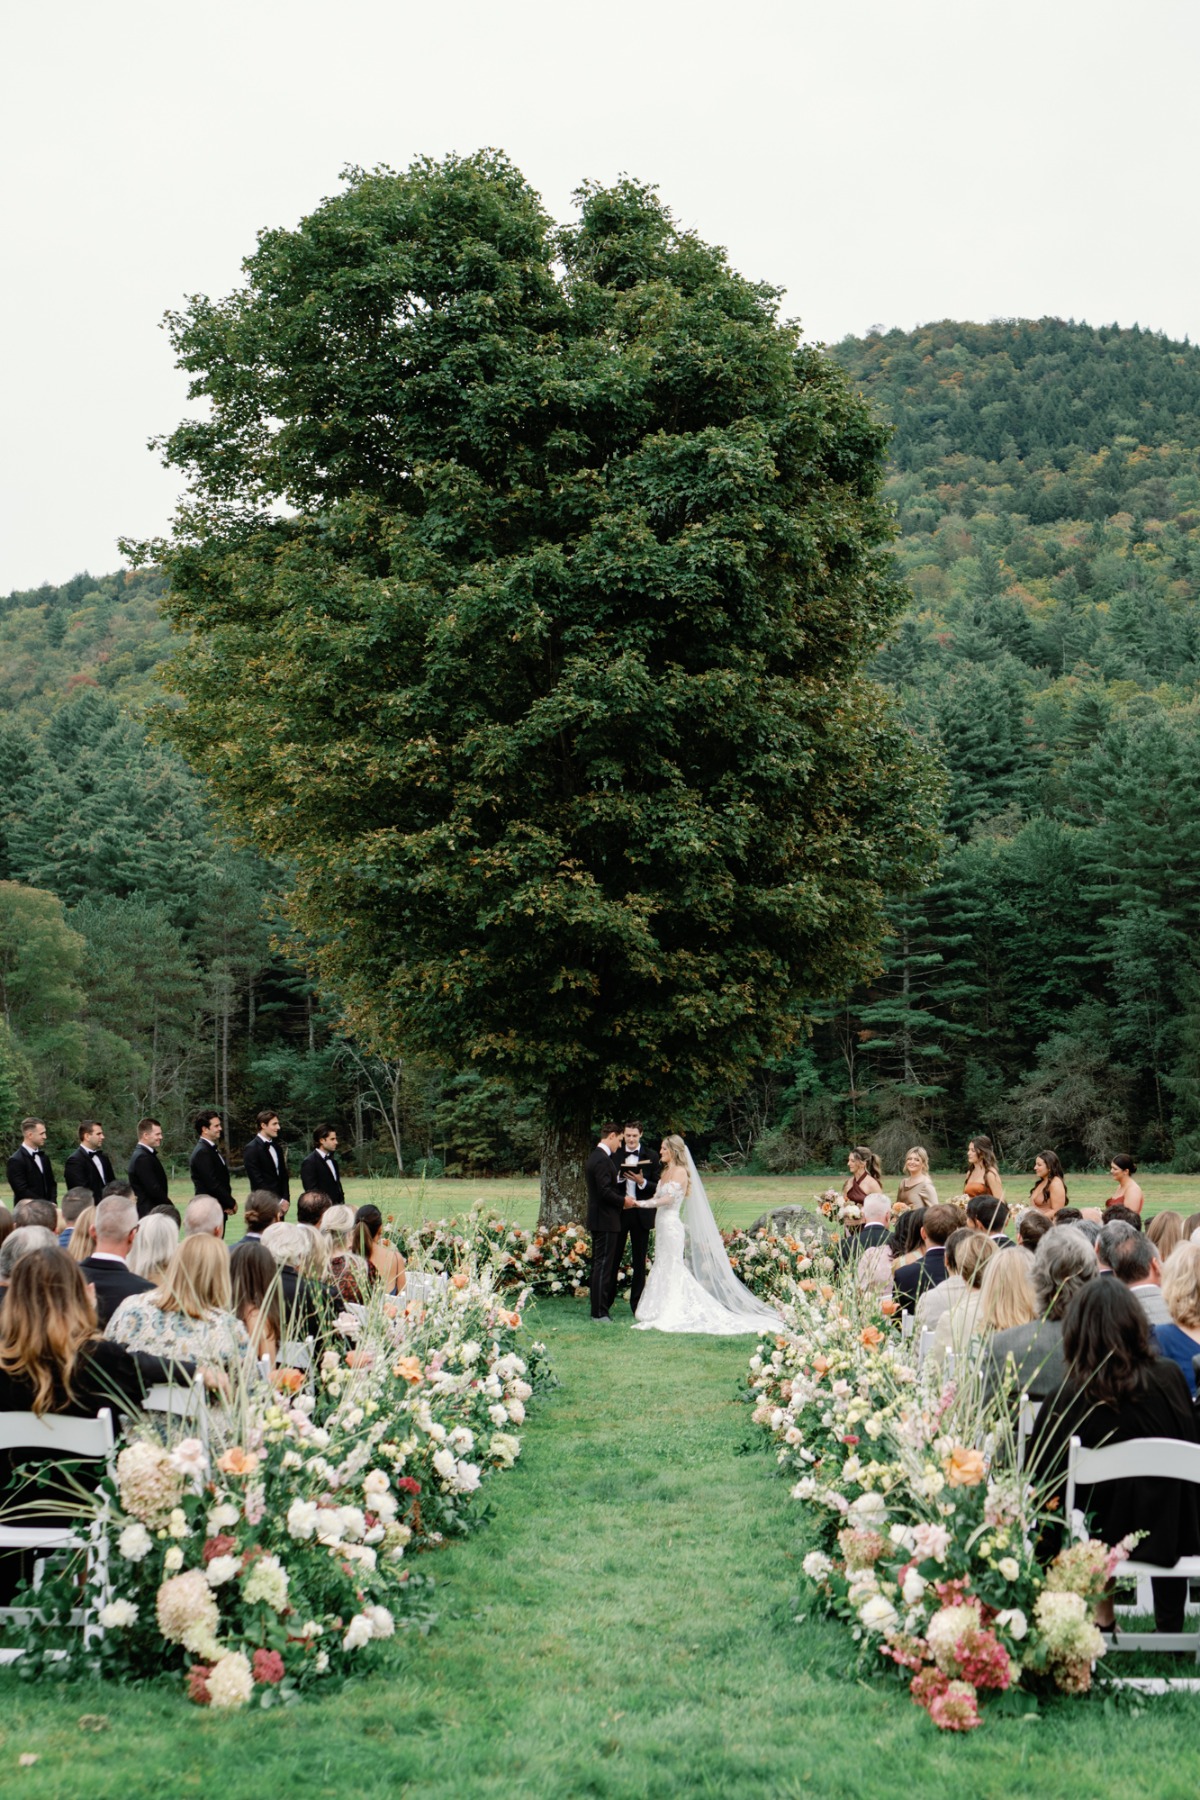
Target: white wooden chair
<point>296,1353</point>
<point>908,1324</point>
<point>179,1401</point>
<point>924,1345</point>
<point>1026,1420</point>
<point>1165,1458</point>
<point>65,1437</point>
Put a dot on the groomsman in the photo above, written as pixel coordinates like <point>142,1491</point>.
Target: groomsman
<point>206,1165</point>
<point>147,1177</point>
<point>606,1204</point>
<point>642,1184</point>
<point>88,1165</point>
<point>29,1173</point>
<point>319,1172</point>
<point>265,1158</point>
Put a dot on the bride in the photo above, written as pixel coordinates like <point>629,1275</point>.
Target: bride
<point>691,1286</point>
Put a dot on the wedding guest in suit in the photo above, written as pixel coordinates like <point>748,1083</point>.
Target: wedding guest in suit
<point>204,1217</point>
<point>37,1212</point>
<point>147,1177</point>
<point>30,1175</point>
<point>938,1300</point>
<point>307,1308</point>
<point>106,1268</point>
<point>319,1171</point>
<point>76,1201</point>
<point>1134,1262</point>
<point>636,1225</point>
<point>312,1206</point>
<point>874,1234</point>
<point>265,1158</point>
<point>990,1216</point>
<point>1032,1229</point>
<point>88,1165</point>
<point>607,1201</point>
<point>208,1169</point>
<point>912,1280</point>
<point>22,1242</point>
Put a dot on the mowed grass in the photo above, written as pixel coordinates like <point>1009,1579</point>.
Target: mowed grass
<point>736,1199</point>
<point>623,1628</point>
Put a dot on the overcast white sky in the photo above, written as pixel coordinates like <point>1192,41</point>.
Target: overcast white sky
<point>887,161</point>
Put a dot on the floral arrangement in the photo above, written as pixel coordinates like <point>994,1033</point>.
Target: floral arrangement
<point>275,1554</point>
<point>544,1261</point>
<point>773,1265</point>
<point>835,1206</point>
<point>922,1534</point>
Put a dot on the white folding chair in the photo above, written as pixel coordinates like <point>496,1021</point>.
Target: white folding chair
<point>1162,1458</point>
<point>908,1322</point>
<point>1026,1420</point>
<point>180,1402</point>
<point>296,1353</point>
<point>65,1437</point>
<point>924,1345</point>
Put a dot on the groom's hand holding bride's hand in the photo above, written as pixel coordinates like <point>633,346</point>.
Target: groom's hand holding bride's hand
<point>629,1203</point>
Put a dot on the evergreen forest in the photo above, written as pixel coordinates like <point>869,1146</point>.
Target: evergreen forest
<point>1043,987</point>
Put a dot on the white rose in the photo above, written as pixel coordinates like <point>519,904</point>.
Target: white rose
<point>118,1614</point>
<point>360,1632</point>
<point>869,1509</point>
<point>173,1560</point>
<point>816,1565</point>
<point>878,1614</point>
<point>1009,1567</point>
<point>222,1569</point>
<point>444,1463</point>
<point>351,1522</point>
<point>470,1353</point>
<point>302,1518</point>
<point>466,1478</point>
<point>498,1415</point>
<point>1014,1622</point>
<point>914,1587</point>
<point>220,1516</point>
<point>134,1543</point>
<point>462,1441</point>
<point>382,1623</point>
<point>376,1483</point>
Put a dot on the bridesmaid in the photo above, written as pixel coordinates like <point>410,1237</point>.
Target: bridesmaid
<point>866,1175</point>
<point>916,1188</point>
<point>1048,1195</point>
<point>983,1177</point>
<point>1123,1169</point>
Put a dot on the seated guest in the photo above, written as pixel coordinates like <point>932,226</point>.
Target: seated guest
<point>1120,1215</point>
<point>1117,1388</point>
<point>205,1217</point>
<point>1165,1232</point>
<point>905,1242</point>
<point>960,1322</point>
<point>1032,1229</point>
<point>53,1360</point>
<point>349,1270</point>
<point>1134,1262</point>
<point>913,1278</point>
<point>938,1300</point>
<point>107,1267</point>
<point>1110,1236</point>
<point>19,1243</point>
<point>389,1265</point>
<point>190,1315</point>
<point>6,1223</point>
<point>257,1296</point>
<point>987,1214</point>
<point>167,1209</point>
<point>263,1208</point>
<point>307,1307</point>
<point>311,1207</point>
<point>1068,1215</point>
<point>871,1234</point>
<point>1062,1264</point>
<point>76,1200</point>
<point>1191,1225</point>
<point>1180,1340</point>
<point>155,1244</point>
<point>1006,1297</point>
<point>314,1261</point>
<point>118,1190</point>
<point>82,1241</point>
<point>37,1212</point>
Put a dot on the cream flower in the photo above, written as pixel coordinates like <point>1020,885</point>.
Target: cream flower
<point>134,1543</point>
<point>118,1614</point>
<point>231,1683</point>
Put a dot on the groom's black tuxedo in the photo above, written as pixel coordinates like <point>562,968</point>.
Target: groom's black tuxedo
<point>606,1202</point>
<point>637,1226</point>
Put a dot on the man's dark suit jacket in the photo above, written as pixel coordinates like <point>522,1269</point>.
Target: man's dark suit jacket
<point>911,1281</point>
<point>259,1165</point>
<point>316,1177</point>
<point>148,1179</point>
<point>869,1238</point>
<point>210,1175</point>
<point>606,1196</point>
<point>308,1308</point>
<point>25,1179</point>
<point>81,1171</point>
<point>113,1283</point>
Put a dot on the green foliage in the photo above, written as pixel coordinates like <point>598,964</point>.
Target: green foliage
<point>549,562</point>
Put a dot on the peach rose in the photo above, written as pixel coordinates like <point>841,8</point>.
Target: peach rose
<point>459,1280</point>
<point>360,1359</point>
<point>408,1368</point>
<point>964,1467</point>
<point>826,1291</point>
<point>870,1336</point>
<point>288,1381</point>
<point>820,1364</point>
<point>237,1461</point>
<point>889,1307</point>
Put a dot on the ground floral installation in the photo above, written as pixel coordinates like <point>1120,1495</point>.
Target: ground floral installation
<point>557,1260</point>
<point>277,1555</point>
<point>921,1534</point>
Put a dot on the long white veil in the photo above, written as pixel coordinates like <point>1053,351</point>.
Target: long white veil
<point>706,1257</point>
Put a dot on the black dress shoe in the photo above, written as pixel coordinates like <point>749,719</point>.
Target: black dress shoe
<point>603,1319</point>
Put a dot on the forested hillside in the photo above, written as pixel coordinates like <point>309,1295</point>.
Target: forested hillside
<point>1045,987</point>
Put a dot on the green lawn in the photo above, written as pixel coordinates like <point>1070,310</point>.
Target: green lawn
<point>736,1199</point>
<point>623,1628</point>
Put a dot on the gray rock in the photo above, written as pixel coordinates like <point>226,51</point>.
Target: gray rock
<point>793,1221</point>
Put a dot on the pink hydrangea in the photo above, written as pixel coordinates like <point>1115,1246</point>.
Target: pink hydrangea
<point>957,1709</point>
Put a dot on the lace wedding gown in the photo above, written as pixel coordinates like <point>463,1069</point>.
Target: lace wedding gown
<point>673,1299</point>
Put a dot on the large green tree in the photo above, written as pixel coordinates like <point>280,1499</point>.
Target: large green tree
<point>530,576</point>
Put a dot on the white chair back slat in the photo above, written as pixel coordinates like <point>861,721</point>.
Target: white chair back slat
<point>58,1433</point>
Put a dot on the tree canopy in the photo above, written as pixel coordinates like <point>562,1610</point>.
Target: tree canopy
<point>530,575</point>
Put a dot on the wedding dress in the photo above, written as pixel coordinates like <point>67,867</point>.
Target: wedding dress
<point>691,1285</point>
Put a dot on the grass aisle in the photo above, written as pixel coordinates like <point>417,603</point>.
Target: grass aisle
<point>621,1629</point>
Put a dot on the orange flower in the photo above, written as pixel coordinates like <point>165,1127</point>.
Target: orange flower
<point>408,1368</point>
<point>888,1307</point>
<point>826,1291</point>
<point>870,1336</point>
<point>237,1461</point>
<point>514,1319</point>
<point>288,1381</point>
<point>360,1359</point>
<point>964,1467</point>
<point>459,1280</point>
<point>820,1364</point>
<point>808,1287</point>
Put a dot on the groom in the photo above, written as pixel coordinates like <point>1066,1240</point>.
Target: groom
<point>607,1203</point>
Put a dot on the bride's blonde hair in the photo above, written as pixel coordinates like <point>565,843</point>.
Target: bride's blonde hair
<point>678,1150</point>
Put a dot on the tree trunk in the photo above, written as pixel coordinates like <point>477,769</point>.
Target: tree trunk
<point>565,1147</point>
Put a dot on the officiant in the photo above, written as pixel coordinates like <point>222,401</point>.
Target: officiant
<point>638,1172</point>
